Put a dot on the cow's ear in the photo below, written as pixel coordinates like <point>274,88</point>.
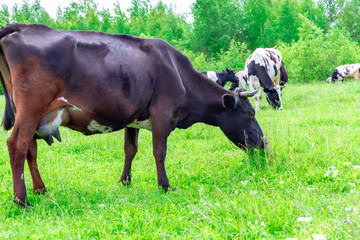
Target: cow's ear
<point>229,101</point>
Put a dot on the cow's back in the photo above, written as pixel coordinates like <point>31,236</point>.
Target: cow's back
<point>111,78</point>
<point>269,58</point>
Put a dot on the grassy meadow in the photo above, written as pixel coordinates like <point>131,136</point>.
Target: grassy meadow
<point>305,186</point>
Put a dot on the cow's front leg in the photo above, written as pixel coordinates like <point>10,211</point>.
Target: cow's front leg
<point>255,85</point>
<point>278,90</point>
<point>159,151</point>
<point>161,128</point>
<point>130,148</point>
<point>31,157</point>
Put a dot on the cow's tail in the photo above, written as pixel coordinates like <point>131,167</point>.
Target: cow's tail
<point>10,28</point>
<point>9,114</point>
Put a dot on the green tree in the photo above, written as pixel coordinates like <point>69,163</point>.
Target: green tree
<point>72,17</point>
<point>121,22</point>
<point>350,19</point>
<point>256,15</point>
<point>164,23</point>
<point>4,15</point>
<point>31,13</point>
<point>333,8</point>
<point>216,22</point>
<point>139,13</point>
<point>315,12</point>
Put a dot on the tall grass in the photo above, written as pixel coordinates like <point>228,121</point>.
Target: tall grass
<point>305,186</point>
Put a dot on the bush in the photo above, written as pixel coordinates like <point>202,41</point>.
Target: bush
<point>315,56</point>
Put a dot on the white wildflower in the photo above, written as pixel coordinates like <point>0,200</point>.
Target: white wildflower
<point>333,171</point>
<point>101,205</point>
<point>310,189</point>
<point>348,209</point>
<point>347,163</point>
<point>304,219</point>
<point>263,224</point>
<point>327,173</point>
<point>253,192</point>
<point>244,182</point>
<point>319,236</point>
<point>356,166</point>
<point>236,191</point>
<point>313,145</point>
<point>351,184</point>
<point>281,182</point>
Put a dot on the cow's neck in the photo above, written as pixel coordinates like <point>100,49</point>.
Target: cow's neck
<point>221,79</point>
<point>203,104</point>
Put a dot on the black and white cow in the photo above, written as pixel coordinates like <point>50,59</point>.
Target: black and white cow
<point>223,77</point>
<point>264,68</point>
<point>243,78</point>
<point>345,71</point>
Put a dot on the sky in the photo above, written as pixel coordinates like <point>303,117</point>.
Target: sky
<point>179,6</point>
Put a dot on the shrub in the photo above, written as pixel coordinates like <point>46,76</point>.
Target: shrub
<point>315,56</point>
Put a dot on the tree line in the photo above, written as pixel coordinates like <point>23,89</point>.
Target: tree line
<point>314,37</point>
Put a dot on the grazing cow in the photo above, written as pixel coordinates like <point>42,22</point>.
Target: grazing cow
<point>264,67</point>
<point>95,82</point>
<point>223,77</point>
<point>345,71</point>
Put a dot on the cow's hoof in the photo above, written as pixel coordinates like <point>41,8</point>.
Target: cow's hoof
<point>40,190</point>
<point>22,203</point>
<point>166,188</point>
<point>125,181</point>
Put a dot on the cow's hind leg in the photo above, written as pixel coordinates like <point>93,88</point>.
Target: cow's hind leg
<point>130,148</point>
<point>38,184</point>
<point>18,145</point>
<point>357,75</point>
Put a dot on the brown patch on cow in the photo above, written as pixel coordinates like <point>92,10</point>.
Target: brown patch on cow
<point>271,56</point>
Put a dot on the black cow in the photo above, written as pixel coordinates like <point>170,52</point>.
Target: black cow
<point>95,82</point>
<point>223,77</point>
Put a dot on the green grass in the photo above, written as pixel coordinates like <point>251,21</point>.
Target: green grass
<point>221,192</point>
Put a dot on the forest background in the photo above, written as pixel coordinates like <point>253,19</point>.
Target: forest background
<point>314,37</point>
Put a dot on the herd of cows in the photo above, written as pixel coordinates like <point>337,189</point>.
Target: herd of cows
<point>95,82</point>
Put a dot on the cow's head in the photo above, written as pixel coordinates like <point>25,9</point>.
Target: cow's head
<point>273,96</point>
<point>238,123</point>
<point>231,76</point>
<point>336,76</point>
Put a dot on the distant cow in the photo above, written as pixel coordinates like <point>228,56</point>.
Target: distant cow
<point>345,71</point>
<point>264,68</point>
<point>223,77</point>
<point>95,82</point>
